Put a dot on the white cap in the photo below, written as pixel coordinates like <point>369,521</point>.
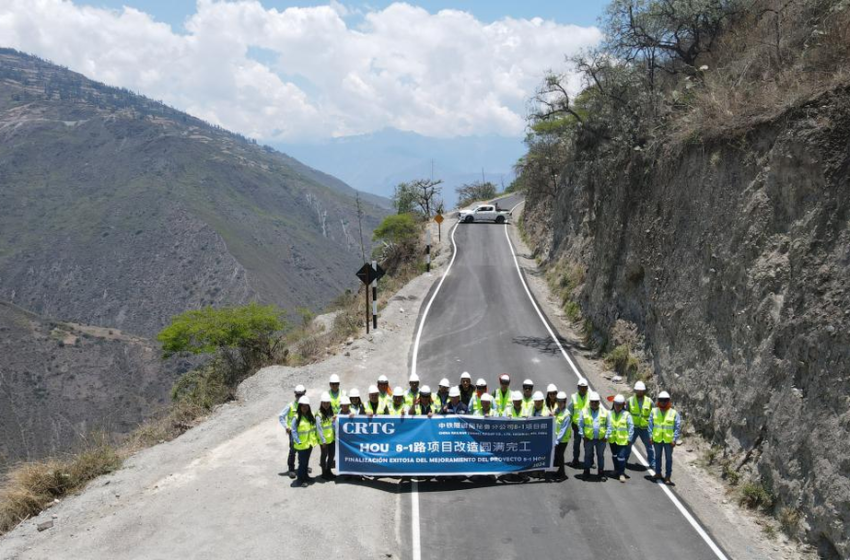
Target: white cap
<point>486,397</point>
<point>594,396</point>
<point>480,382</point>
<point>663,395</point>
<point>582,382</point>
<point>561,396</point>
<point>356,393</point>
<point>538,396</point>
<point>300,389</point>
<point>398,392</point>
<point>326,397</point>
<point>304,400</point>
<point>528,382</point>
<point>639,386</point>
<point>454,392</point>
<point>334,379</point>
<point>516,396</point>
<point>414,377</point>
<point>383,379</point>
<point>620,399</point>
<point>425,390</point>
<point>504,377</point>
<point>551,388</point>
<point>373,389</point>
<point>445,382</point>
<point>344,400</point>
<point>465,375</point>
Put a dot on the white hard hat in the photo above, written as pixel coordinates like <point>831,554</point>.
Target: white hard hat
<point>454,392</point>
<point>326,397</point>
<point>344,400</point>
<point>425,390</point>
<point>356,393</point>
<point>373,389</point>
<point>551,388</point>
<point>528,382</point>
<point>334,379</point>
<point>594,396</point>
<point>398,392</point>
<point>383,379</point>
<point>639,386</point>
<point>465,375</point>
<point>414,377</point>
<point>480,382</point>
<point>304,400</point>
<point>561,396</point>
<point>300,389</point>
<point>582,382</point>
<point>505,377</point>
<point>516,396</point>
<point>538,396</point>
<point>445,382</point>
<point>486,397</point>
<point>663,395</point>
<point>620,399</point>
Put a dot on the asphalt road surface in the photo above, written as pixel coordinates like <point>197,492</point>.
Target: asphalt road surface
<point>482,321</point>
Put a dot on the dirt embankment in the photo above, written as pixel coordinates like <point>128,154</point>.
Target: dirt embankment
<point>730,257</point>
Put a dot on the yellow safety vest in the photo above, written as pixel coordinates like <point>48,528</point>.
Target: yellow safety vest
<point>562,416</point>
<point>335,400</point>
<point>293,412</point>
<point>480,412</point>
<point>640,413</point>
<point>410,398</point>
<point>579,404</point>
<point>501,401</point>
<point>391,410</point>
<point>417,410</point>
<point>543,412</point>
<point>588,423</point>
<point>306,435</point>
<point>513,413</point>
<point>663,425</point>
<point>368,408</point>
<point>619,428</point>
<point>327,427</point>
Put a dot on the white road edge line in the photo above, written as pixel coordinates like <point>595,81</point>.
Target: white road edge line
<point>416,544</point>
<point>702,533</point>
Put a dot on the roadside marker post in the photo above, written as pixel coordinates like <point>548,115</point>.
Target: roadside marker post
<point>370,274</point>
<point>375,295</point>
<point>428,250</point>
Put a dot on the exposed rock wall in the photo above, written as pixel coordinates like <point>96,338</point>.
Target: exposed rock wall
<point>732,257</point>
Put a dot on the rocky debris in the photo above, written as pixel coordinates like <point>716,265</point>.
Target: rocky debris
<point>45,525</point>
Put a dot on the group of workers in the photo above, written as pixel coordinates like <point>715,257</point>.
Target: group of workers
<point>581,416</point>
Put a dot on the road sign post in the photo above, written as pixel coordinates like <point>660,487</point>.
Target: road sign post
<point>439,219</point>
<point>370,274</point>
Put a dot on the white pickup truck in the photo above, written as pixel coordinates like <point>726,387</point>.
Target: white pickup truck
<point>484,213</point>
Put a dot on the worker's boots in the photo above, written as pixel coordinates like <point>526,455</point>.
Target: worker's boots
<point>601,474</point>
<point>586,474</point>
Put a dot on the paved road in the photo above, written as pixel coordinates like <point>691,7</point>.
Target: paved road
<point>482,321</point>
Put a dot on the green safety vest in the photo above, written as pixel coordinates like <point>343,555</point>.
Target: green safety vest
<point>475,403</point>
<point>335,400</point>
<point>579,404</point>
<point>307,435</point>
<point>501,401</point>
<point>441,401</point>
<point>480,412</point>
<point>391,410</point>
<point>640,413</point>
<point>293,412</point>
<point>562,416</point>
<point>512,412</point>
<point>410,398</point>
<point>588,422</point>
<point>385,400</point>
<point>527,405</point>
<point>327,428</point>
<point>368,408</point>
<point>417,410</point>
<point>663,425</point>
<point>543,412</point>
<point>619,428</point>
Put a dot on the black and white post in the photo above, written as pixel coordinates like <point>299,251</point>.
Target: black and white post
<point>375,295</point>
<point>428,249</point>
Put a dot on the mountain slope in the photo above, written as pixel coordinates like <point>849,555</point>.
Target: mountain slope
<point>119,211</point>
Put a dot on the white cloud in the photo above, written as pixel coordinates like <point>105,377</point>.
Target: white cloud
<point>442,74</point>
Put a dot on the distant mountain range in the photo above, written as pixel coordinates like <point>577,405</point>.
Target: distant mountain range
<point>377,162</point>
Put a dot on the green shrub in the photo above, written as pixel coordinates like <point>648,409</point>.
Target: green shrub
<point>755,495</point>
<point>397,228</point>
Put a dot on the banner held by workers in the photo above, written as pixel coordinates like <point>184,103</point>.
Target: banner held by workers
<point>443,445</point>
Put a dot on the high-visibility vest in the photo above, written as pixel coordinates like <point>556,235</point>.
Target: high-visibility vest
<point>561,416</point>
<point>527,405</point>
<point>292,412</point>
<point>392,410</point>
<point>543,411</point>
<point>335,400</point>
<point>619,427</point>
<point>475,402</point>
<point>417,410</point>
<point>640,412</point>
<point>602,417</point>
<point>441,400</point>
<point>327,427</point>
<point>410,398</point>
<point>663,425</point>
<point>579,404</point>
<point>512,412</point>
<point>369,408</point>
<point>480,412</point>
<point>501,401</point>
<point>306,434</point>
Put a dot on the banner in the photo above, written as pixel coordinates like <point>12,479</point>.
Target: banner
<point>443,445</point>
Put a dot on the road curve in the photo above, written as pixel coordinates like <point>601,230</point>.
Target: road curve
<point>482,321</point>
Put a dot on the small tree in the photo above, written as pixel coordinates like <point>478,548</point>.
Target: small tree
<point>397,228</point>
<point>427,193</point>
<point>479,190</point>
<point>404,198</point>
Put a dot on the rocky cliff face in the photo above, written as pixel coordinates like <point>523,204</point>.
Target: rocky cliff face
<point>731,256</point>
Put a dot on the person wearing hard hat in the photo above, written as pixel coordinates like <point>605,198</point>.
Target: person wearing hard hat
<point>528,396</point>
<point>285,418</point>
<point>551,397</point>
<point>485,407</point>
<point>466,388</point>
<point>475,401</point>
<point>538,407</point>
<point>424,405</point>
<point>455,404</point>
<point>396,407</point>
<point>334,392</point>
<point>593,425</point>
<point>356,407</point>
<point>665,427</point>
<point>516,409</point>
<point>563,414</point>
<point>304,439</point>
<point>640,407</point>
<point>578,402</point>
<point>385,395</point>
<point>502,395</point>
<point>441,399</point>
<point>620,432</point>
<point>412,394</point>
<point>325,428</point>
<point>345,407</point>
<point>374,405</point>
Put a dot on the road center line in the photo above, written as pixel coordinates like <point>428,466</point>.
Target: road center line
<point>685,513</point>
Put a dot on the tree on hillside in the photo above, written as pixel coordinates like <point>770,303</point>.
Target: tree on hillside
<point>404,198</point>
<point>427,195</point>
<point>478,190</point>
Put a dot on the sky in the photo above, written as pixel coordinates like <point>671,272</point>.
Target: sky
<point>279,70</point>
